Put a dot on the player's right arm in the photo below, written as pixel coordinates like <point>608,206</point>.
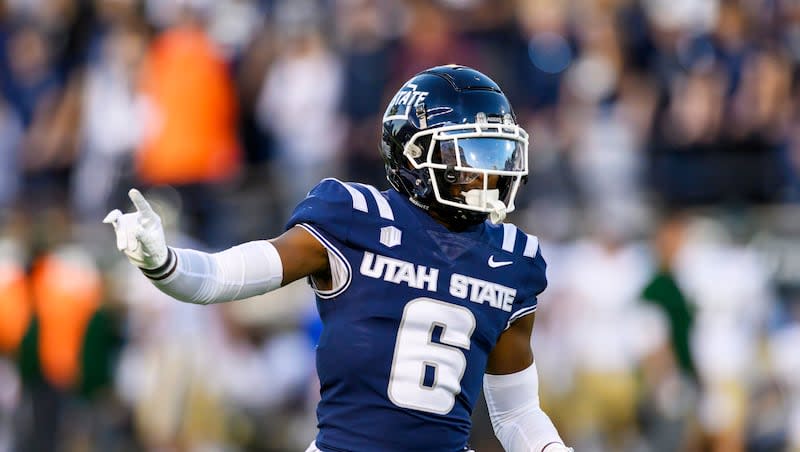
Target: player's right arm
<point>511,387</point>
<point>243,271</point>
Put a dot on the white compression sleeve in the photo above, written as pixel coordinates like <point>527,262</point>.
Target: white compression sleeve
<point>244,271</point>
<point>518,421</point>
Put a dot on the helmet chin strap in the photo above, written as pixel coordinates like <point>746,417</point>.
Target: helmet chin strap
<point>491,198</point>
<point>498,212</point>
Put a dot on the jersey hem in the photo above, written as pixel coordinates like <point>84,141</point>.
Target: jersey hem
<point>520,314</point>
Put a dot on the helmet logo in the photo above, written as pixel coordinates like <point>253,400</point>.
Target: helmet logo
<point>403,101</point>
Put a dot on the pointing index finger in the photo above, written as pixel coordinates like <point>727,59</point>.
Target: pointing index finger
<point>139,202</point>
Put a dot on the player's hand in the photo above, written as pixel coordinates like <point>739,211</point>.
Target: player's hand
<point>140,234</point>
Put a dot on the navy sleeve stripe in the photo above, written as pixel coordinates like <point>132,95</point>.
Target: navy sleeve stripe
<point>531,246</point>
<point>326,294</point>
<point>359,200</point>
<point>384,209</point>
<point>509,237</point>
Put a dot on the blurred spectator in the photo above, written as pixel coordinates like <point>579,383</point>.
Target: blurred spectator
<point>429,39</point>
<point>728,283</point>
<point>606,273</point>
<point>111,121</point>
<point>67,347</point>
<point>548,53</point>
<point>232,24</point>
<point>29,77</point>
<point>670,379</point>
<point>686,137</point>
<point>307,130</point>
<point>364,42</point>
<point>189,136</point>
<point>31,85</point>
<point>605,115</point>
<point>756,136</point>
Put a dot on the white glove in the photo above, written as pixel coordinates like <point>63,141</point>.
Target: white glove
<point>557,447</point>
<point>140,234</point>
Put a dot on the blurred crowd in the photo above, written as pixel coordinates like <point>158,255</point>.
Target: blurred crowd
<point>664,188</point>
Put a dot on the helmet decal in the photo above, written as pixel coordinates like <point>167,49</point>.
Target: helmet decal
<point>401,104</point>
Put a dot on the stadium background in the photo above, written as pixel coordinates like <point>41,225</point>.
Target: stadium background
<point>664,189</point>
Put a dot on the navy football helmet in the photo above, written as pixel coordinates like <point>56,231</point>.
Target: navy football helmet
<point>451,142</point>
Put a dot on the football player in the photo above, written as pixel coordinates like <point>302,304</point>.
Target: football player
<point>425,294</point>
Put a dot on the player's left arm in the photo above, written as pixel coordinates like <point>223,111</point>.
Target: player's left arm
<point>511,386</point>
<point>193,276</point>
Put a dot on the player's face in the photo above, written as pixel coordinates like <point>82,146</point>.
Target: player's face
<point>481,154</point>
<point>457,190</point>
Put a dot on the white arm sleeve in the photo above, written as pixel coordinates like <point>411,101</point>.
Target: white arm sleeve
<point>518,421</point>
<point>244,271</point>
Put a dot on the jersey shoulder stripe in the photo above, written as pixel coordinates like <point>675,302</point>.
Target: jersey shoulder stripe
<point>529,242</point>
<point>384,209</point>
<point>509,237</point>
<point>359,200</point>
<point>531,246</point>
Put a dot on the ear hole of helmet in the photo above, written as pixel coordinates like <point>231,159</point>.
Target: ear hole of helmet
<point>414,151</point>
<point>417,149</point>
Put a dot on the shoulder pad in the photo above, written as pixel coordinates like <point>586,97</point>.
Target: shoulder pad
<point>377,201</point>
<point>332,204</point>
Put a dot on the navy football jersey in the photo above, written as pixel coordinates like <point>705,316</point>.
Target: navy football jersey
<point>411,318</point>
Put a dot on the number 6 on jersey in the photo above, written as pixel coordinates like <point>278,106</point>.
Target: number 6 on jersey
<point>426,369</point>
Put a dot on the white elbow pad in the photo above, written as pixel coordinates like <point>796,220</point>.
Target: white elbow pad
<point>244,271</point>
<point>518,421</point>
